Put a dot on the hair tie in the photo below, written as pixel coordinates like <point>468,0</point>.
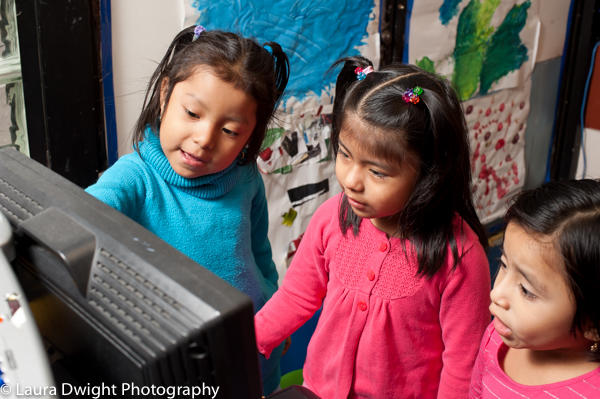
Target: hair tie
<point>362,73</point>
<point>198,31</point>
<point>268,48</point>
<point>412,95</point>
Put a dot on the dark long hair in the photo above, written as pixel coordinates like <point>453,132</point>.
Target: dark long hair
<point>261,72</point>
<point>435,131</point>
<point>569,211</point>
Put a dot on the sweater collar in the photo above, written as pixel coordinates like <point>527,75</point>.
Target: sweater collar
<point>207,187</point>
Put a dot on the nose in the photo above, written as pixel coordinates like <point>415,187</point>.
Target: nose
<point>205,135</point>
<point>352,178</point>
<point>498,294</point>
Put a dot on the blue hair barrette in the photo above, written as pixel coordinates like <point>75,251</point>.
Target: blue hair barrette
<point>198,31</point>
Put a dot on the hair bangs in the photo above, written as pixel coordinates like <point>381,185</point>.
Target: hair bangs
<point>389,145</point>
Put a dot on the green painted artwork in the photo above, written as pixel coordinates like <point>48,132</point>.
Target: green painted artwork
<point>289,217</point>
<point>483,54</point>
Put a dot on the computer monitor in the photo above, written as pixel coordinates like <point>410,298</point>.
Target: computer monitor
<point>117,306</point>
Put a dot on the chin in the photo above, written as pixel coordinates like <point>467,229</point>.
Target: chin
<point>512,344</point>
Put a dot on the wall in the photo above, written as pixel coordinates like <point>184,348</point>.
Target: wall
<point>591,135</point>
<point>592,149</point>
<point>141,33</point>
<point>544,89</point>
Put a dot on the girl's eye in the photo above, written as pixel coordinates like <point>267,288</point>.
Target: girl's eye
<point>342,154</point>
<point>378,174</point>
<point>190,113</point>
<point>526,293</point>
<point>230,132</point>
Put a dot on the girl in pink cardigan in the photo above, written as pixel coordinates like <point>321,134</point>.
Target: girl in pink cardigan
<point>396,260</point>
<point>544,341</point>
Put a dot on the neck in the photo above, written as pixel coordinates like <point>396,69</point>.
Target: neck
<point>533,367</point>
<point>562,356</point>
<point>388,225</point>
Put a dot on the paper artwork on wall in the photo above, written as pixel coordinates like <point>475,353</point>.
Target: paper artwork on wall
<point>295,158</point>
<point>487,50</point>
<point>497,124</point>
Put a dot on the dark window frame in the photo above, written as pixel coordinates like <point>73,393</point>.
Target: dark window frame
<point>59,43</point>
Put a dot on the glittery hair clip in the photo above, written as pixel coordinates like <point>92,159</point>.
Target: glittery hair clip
<point>362,73</point>
<point>412,95</point>
<point>198,31</point>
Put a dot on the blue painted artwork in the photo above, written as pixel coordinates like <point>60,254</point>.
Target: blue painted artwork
<point>448,10</point>
<point>314,34</point>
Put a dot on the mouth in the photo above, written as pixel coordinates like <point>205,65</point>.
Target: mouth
<point>501,328</point>
<point>356,204</point>
<point>193,160</point>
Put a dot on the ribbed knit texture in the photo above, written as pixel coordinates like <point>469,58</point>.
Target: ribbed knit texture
<point>218,220</point>
<point>490,381</point>
<point>383,332</point>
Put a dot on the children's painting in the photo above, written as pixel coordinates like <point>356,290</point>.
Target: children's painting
<point>487,49</point>
<point>296,159</point>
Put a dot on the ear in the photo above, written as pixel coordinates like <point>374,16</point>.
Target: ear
<point>591,334</point>
<point>164,85</point>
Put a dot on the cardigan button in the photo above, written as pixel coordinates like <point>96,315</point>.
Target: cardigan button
<point>371,275</point>
<point>362,306</point>
<point>383,246</point>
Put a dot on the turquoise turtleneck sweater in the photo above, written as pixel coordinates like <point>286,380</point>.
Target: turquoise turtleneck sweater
<point>218,220</point>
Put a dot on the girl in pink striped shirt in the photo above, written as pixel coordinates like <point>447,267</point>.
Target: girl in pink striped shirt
<point>544,341</point>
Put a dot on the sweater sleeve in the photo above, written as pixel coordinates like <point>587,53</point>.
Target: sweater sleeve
<point>464,316</point>
<point>261,247</point>
<point>302,291</point>
<point>121,186</point>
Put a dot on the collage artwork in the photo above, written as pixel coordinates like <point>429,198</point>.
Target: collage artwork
<point>486,48</point>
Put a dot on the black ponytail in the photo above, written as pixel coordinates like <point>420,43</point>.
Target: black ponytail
<point>346,77</point>
<point>281,66</point>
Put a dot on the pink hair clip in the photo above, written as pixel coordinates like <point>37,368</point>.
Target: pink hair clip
<point>362,73</point>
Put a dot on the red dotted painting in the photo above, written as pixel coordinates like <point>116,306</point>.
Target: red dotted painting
<point>497,126</point>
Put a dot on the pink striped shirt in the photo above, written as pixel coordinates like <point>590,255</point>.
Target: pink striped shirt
<point>490,381</point>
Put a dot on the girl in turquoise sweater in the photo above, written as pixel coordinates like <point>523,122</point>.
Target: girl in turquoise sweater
<point>193,180</point>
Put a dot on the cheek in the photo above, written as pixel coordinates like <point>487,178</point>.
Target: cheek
<point>339,172</point>
<point>544,323</point>
<point>403,193</point>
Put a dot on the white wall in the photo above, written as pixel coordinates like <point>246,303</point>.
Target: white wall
<point>592,152</point>
<point>553,17</point>
<point>141,33</point>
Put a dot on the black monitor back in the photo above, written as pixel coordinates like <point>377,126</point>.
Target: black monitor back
<point>115,303</point>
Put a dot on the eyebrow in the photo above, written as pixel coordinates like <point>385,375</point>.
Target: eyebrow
<point>529,277</point>
<point>368,161</point>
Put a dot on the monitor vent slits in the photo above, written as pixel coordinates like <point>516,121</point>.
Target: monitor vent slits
<point>16,205</point>
<point>145,312</point>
